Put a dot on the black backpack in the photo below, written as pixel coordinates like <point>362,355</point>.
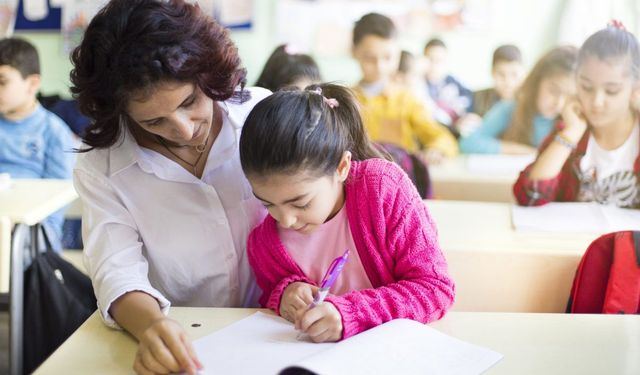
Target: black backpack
<point>58,298</point>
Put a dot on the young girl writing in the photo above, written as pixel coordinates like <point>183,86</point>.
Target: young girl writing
<point>518,127</point>
<point>593,153</point>
<point>307,158</point>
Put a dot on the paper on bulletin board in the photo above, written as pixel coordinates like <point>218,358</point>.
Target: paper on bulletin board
<point>234,14</point>
<point>76,15</point>
<point>8,10</point>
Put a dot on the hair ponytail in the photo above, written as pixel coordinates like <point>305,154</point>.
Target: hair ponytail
<point>296,130</point>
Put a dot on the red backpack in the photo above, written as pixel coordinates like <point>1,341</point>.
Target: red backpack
<point>608,277</point>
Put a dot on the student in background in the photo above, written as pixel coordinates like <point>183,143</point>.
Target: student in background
<point>287,67</point>
<point>453,100</point>
<point>34,143</point>
<point>594,153</point>
<point>507,72</point>
<point>309,161</point>
<point>410,75</point>
<point>391,113</point>
<point>518,127</point>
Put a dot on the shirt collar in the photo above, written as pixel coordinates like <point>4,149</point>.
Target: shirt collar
<point>126,152</point>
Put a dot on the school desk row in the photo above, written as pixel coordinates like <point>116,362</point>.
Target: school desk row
<point>531,343</point>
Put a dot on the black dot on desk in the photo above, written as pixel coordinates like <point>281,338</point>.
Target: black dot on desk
<point>196,325</point>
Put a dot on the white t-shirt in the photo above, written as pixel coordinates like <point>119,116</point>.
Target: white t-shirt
<point>149,225</point>
<point>607,176</point>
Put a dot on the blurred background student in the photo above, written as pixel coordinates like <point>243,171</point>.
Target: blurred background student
<point>287,67</point>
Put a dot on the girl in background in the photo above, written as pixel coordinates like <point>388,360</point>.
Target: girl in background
<point>518,127</point>
<point>593,154</point>
<point>309,161</point>
<point>288,68</point>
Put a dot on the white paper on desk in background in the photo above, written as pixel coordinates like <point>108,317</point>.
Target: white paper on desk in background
<point>266,344</point>
<point>498,164</point>
<point>570,217</point>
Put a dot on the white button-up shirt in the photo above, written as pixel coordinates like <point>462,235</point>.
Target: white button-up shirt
<point>151,226</point>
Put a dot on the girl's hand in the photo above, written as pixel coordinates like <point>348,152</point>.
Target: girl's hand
<point>574,119</point>
<point>297,296</point>
<point>165,348</point>
<point>322,323</point>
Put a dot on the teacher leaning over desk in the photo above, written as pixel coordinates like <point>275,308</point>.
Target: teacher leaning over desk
<point>167,210</point>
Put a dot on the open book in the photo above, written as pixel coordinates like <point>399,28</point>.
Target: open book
<point>267,344</point>
<point>575,217</point>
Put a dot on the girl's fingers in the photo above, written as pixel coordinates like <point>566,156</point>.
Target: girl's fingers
<point>181,354</point>
<point>192,353</point>
<point>139,368</point>
<point>151,363</point>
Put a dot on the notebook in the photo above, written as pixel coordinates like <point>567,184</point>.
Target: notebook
<point>572,217</point>
<point>267,344</point>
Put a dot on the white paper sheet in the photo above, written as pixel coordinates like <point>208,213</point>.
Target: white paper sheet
<point>266,344</point>
<point>498,164</point>
<point>575,218</point>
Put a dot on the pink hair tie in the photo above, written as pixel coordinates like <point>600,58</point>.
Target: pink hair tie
<point>617,24</point>
<point>290,49</point>
<point>331,102</point>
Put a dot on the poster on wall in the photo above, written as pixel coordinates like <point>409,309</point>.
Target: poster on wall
<point>76,15</point>
<point>233,14</point>
<point>8,9</point>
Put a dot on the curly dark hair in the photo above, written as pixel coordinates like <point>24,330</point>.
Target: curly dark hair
<point>130,46</point>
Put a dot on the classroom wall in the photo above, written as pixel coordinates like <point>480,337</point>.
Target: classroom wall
<point>531,24</point>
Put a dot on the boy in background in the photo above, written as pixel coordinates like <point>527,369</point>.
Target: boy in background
<point>507,72</point>
<point>453,100</point>
<point>391,113</point>
<point>34,143</point>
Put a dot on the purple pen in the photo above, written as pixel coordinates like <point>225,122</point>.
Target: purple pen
<point>330,278</point>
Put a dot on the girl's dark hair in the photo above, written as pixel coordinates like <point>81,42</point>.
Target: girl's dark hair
<point>132,45</point>
<point>506,53</point>
<point>560,60</point>
<point>296,130</point>
<point>610,43</point>
<point>284,67</point>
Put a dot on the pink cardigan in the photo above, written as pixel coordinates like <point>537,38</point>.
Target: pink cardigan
<point>396,240</point>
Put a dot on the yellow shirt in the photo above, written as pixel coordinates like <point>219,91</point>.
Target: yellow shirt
<point>396,116</point>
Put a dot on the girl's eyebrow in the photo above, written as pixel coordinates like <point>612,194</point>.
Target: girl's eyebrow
<point>616,84</point>
<point>285,202</point>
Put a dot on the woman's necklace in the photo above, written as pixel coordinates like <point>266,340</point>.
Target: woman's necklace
<point>199,149</point>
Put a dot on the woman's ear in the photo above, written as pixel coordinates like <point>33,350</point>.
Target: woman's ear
<point>344,167</point>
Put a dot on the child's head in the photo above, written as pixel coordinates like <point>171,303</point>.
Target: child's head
<point>411,68</point>
<point>375,47</point>
<point>296,148</point>
<point>607,75</point>
<point>19,76</point>
<point>543,92</point>
<point>285,67</point>
<point>436,53</point>
<point>507,70</point>
<point>134,49</point>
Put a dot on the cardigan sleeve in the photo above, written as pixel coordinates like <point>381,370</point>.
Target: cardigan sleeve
<point>421,288</point>
<point>273,268</point>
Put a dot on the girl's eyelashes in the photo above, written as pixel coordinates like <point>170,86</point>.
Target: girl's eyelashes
<point>303,207</point>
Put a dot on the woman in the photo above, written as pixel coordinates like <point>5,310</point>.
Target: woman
<point>167,209</point>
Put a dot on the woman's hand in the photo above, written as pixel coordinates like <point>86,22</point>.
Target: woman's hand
<point>297,296</point>
<point>574,120</point>
<point>322,323</point>
<point>165,348</point>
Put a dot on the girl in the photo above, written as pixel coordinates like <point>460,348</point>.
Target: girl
<point>518,127</point>
<point>593,154</point>
<point>286,67</point>
<point>309,161</point>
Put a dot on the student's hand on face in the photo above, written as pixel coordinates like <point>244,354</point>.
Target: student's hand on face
<point>165,348</point>
<point>297,296</point>
<point>468,123</point>
<point>432,156</point>
<point>322,323</point>
<point>574,119</point>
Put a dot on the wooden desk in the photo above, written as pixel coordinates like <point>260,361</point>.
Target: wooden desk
<point>454,180</point>
<point>530,343</point>
<point>499,269</point>
<point>25,204</point>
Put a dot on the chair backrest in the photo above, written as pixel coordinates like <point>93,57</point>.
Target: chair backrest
<point>413,165</point>
<point>608,277</point>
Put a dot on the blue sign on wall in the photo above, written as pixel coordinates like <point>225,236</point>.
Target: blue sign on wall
<point>52,21</point>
